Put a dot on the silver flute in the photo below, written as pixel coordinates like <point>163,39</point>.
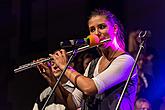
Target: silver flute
<point>34,64</point>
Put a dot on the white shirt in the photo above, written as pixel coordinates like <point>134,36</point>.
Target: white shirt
<point>116,73</point>
<point>68,86</point>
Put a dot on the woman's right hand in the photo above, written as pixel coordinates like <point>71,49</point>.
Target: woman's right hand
<point>46,71</point>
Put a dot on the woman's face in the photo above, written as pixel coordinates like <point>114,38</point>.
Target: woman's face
<point>100,26</point>
<point>55,70</point>
<point>145,106</point>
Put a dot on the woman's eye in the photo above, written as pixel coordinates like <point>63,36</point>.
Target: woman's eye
<point>102,26</point>
<point>92,29</point>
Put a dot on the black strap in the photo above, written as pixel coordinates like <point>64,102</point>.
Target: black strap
<point>92,67</point>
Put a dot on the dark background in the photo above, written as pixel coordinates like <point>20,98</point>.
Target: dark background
<point>31,29</point>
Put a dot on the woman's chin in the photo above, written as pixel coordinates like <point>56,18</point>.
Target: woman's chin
<point>104,45</point>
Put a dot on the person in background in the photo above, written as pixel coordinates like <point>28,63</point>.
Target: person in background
<point>87,58</point>
<point>142,104</point>
<point>82,61</point>
<point>133,44</point>
<point>100,87</point>
<point>145,64</point>
<point>50,72</point>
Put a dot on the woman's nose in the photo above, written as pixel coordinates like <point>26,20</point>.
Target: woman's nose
<point>97,32</point>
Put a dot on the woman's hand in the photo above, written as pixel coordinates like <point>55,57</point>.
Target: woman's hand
<point>60,58</point>
<point>47,72</point>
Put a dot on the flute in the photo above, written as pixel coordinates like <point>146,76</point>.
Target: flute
<point>34,64</point>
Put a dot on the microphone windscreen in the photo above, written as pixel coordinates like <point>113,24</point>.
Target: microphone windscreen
<point>93,40</point>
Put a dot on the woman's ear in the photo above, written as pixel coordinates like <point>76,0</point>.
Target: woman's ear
<point>115,28</point>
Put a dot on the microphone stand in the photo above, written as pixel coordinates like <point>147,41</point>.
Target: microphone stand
<point>74,53</point>
<point>142,40</point>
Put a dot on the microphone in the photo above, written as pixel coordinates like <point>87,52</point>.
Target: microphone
<point>90,40</point>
